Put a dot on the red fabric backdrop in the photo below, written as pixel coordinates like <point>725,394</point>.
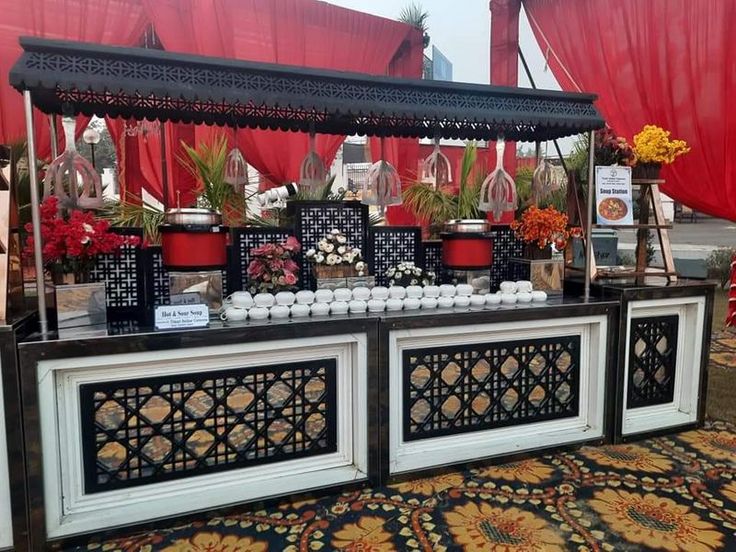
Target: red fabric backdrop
<point>667,62</point>
<point>118,22</point>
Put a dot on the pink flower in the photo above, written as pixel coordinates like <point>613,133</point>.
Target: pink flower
<point>290,265</point>
<point>292,244</point>
<point>289,278</point>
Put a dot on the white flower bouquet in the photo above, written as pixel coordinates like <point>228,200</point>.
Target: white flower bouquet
<point>333,257</point>
<point>408,274</point>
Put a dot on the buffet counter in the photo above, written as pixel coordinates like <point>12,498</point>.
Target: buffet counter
<point>140,425</point>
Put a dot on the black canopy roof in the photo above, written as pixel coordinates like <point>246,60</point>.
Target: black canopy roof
<point>71,77</point>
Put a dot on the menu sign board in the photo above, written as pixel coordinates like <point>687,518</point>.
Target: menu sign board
<point>613,195</point>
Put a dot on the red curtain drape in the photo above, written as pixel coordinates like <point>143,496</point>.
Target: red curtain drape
<point>294,32</point>
<point>118,22</point>
<point>665,62</point>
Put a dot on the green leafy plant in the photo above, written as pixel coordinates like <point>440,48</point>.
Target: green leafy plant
<point>133,212</point>
<point>415,15</point>
<point>437,206</point>
<point>207,163</point>
<point>719,264</point>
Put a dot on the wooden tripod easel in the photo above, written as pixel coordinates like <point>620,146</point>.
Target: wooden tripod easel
<point>650,202</point>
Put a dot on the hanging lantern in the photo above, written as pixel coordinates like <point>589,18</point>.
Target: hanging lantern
<point>543,180</point>
<point>498,191</point>
<point>236,170</point>
<point>436,168</point>
<point>383,185</point>
<point>72,178</point>
<point>312,173</point>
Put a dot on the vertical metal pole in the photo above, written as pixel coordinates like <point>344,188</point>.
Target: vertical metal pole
<point>164,168</point>
<point>589,210</point>
<point>35,215</point>
<point>54,137</point>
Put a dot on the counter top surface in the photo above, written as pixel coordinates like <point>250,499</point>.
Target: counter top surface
<point>292,327</point>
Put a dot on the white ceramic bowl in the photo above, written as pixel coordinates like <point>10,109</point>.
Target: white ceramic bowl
<point>320,309</point>
<point>523,286</point>
<point>432,291</point>
<point>357,305</point>
<point>234,314</point>
<point>524,297</point>
<point>447,290</point>
<point>493,299</point>
<point>445,302</point>
<point>464,289</point>
<point>361,293</point>
<point>280,311</point>
<point>429,302</point>
<point>508,298</point>
<point>477,300</point>
<point>241,299</point>
<point>462,300</point>
<point>324,296</point>
<point>539,296</point>
<point>379,292</point>
<point>258,313</point>
<point>263,300</point>
<point>286,298</point>
<point>343,294</point>
<point>376,305</point>
<point>507,287</point>
<point>397,292</point>
<point>305,297</point>
<point>339,307</point>
<point>414,291</point>
<point>412,303</point>
<point>299,310</point>
<point>394,304</point>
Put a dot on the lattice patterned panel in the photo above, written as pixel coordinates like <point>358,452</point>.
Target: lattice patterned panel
<point>505,246</point>
<point>245,239</point>
<point>139,431</point>
<point>462,388</point>
<point>652,360</point>
<point>158,277</point>
<point>390,245</point>
<point>433,259</point>
<point>123,274</point>
<point>314,219</point>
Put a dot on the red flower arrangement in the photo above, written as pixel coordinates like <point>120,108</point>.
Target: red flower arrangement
<point>71,244</point>
<point>611,149</point>
<point>273,269</point>
<point>543,227</point>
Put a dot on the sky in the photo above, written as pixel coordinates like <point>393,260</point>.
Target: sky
<point>461,30</point>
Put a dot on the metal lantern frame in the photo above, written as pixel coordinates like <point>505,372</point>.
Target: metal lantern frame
<point>72,78</point>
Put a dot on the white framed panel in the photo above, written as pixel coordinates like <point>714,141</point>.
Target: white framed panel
<point>683,409</point>
<point>6,523</point>
<point>70,511</point>
<point>406,456</point>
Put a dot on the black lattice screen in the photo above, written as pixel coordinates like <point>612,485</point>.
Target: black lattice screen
<point>157,283</point>
<point>462,388</point>
<point>314,219</point>
<point>123,274</point>
<point>505,246</point>
<point>390,245</point>
<point>245,239</point>
<point>652,360</point>
<point>155,429</point>
<point>433,259</point>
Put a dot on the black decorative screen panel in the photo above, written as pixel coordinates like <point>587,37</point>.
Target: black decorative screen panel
<point>433,259</point>
<point>155,429</point>
<point>463,388</point>
<point>505,246</point>
<point>123,274</point>
<point>390,245</point>
<point>652,360</point>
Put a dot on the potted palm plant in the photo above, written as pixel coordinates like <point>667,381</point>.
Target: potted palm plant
<point>466,239</point>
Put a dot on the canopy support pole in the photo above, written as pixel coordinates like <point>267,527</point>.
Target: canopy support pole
<point>589,210</point>
<point>36,215</point>
<point>54,137</point>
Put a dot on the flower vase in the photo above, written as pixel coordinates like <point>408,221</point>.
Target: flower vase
<point>646,171</point>
<point>79,302</point>
<point>535,253</point>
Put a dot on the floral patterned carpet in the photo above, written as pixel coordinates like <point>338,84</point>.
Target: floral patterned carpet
<point>674,493</point>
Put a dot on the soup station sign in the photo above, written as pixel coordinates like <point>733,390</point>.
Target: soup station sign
<point>613,195</point>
